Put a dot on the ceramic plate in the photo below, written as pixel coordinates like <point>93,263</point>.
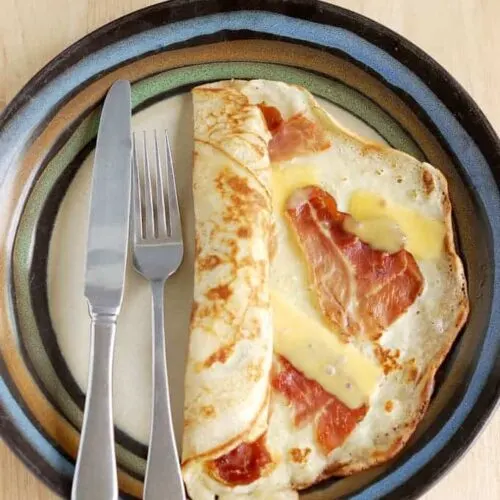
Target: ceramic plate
<point>372,80</point>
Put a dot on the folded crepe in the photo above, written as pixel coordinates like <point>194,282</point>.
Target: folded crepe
<point>327,292</point>
<point>231,341</point>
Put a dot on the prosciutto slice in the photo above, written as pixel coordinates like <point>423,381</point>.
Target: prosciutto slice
<point>360,290</point>
<point>242,465</point>
<point>333,420</point>
<point>294,137</point>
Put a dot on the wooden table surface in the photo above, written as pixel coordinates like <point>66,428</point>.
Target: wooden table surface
<point>462,35</point>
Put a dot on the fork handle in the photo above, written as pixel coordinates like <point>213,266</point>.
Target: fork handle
<point>95,474</point>
<point>163,473</point>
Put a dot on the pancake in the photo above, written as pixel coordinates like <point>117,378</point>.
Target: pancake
<point>230,348</point>
<point>337,276</point>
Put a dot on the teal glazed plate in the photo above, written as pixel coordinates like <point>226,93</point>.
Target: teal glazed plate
<point>374,81</point>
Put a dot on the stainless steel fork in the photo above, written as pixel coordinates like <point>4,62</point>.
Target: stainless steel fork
<point>157,254</point>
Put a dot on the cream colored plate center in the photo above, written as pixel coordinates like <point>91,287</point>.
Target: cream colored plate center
<point>68,308</point>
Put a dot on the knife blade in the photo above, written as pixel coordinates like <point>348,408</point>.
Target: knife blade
<point>107,244</point>
<point>109,208</point>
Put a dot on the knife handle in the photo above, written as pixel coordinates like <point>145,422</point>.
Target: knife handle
<point>95,474</point>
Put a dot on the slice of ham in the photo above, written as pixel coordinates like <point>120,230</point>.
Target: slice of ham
<point>360,290</point>
<point>335,424</point>
<point>272,116</point>
<point>243,465</point>
<point>334,421</point>
<point>307,395</point>
<point>296,136</point>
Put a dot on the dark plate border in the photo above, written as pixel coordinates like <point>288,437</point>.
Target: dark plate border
<point>437,79</point>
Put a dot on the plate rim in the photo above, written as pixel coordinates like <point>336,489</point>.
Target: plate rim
<point>482,134</point>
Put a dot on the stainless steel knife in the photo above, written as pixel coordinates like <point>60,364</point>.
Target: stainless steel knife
<point>95,474</point>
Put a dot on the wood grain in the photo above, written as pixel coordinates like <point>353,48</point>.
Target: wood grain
<point>462,35</point>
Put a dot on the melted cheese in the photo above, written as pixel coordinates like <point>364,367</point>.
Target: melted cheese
<point>315,351</point>
<point>423,235</point>
<point>287,179</point>
<point>382,233</point>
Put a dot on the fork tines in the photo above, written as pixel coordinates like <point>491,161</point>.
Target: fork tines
<point>155,204</point>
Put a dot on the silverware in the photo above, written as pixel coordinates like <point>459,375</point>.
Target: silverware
<point>95,474</point>
<point>158,251</point>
